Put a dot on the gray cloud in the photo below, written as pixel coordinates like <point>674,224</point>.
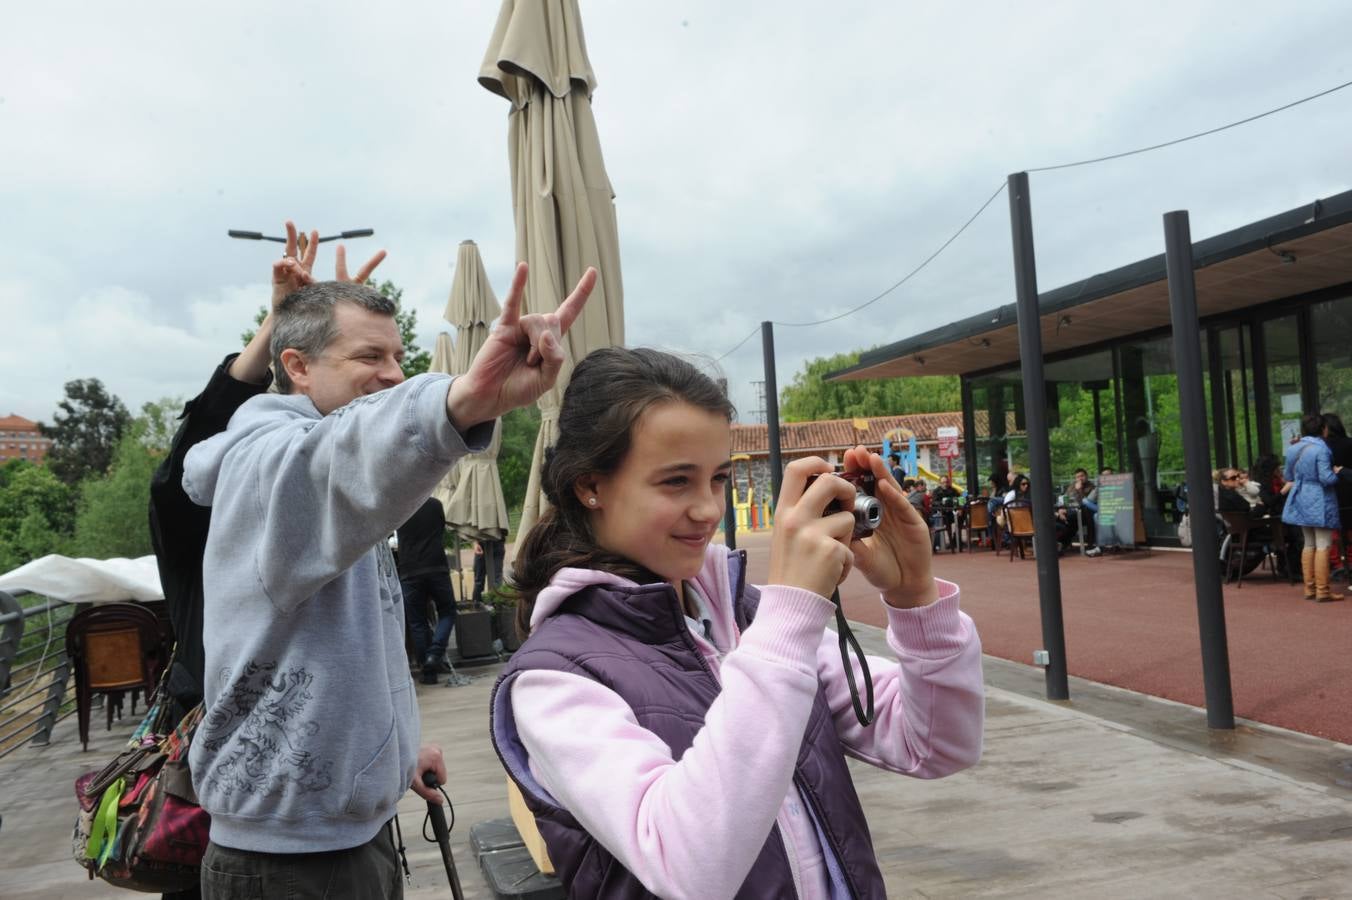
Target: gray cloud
<point>771,160</point>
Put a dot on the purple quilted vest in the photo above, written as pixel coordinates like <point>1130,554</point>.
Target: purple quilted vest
<point>636,643</point>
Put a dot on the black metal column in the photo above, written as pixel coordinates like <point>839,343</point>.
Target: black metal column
<point>1309,368</point>
<point>772,410</point>
<point>729,515</point>
<point>1098,431</point>
<point>1039,443</point>
<point>1262,399</point>
<point>969,439</point>
<point>1220,711</point>
<point>1220,425</point>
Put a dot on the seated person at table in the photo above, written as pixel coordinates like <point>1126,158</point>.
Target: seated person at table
<point>943,500</point>
<point>1230,496</point>
<point>1084,493</point>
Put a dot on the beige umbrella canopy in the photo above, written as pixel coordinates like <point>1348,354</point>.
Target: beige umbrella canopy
<point>471,307</point>
<point>442,355</point>
<point>475,506</point>
<point>564,204</point>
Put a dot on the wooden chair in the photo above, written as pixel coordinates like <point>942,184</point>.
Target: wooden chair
<point>113,647</point>
<point>977,523</point>
<point>1239,525</point>
<point>1277,550</point>
<point>1018,525</point>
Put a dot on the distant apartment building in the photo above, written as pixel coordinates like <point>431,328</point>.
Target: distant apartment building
<point>21,439</point>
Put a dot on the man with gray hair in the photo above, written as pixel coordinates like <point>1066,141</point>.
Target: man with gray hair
<point>310,732</point>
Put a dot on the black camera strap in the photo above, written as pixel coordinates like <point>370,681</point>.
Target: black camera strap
<point>862,711</point>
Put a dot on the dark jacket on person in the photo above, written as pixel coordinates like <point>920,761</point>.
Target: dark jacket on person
<point>178,527</point>
<point>1230,500</point>
<point>422,542</point>
<point>1341,450</point>
<point>635,641</point>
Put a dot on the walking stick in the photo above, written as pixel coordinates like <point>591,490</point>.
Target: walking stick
<point>443,835</point>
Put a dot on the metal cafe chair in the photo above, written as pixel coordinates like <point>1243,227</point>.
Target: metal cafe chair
<point>977,523</point>
<point>1018,526</point>
<point>113,647</point>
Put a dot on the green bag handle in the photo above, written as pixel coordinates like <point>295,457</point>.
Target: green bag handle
<point>104,829</point>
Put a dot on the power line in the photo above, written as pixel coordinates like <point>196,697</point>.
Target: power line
<point>1070,165</point>
<point>909,275</point>
<point>739,345</point>
<point>1191,137</point>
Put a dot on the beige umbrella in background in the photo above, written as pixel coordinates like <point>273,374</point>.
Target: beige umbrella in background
<point>442,355</point>
<point>564,204</point>
<point>475,507</point>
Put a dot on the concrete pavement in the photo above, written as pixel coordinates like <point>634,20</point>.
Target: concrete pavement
<point>1115,794</point>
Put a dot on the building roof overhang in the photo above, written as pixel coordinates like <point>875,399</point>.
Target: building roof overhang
<point>1297,252</point>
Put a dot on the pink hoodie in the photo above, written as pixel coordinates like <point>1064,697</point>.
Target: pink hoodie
<point>693,827</point>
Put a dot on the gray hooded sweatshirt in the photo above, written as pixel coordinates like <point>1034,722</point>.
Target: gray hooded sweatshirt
<point>310,734</point>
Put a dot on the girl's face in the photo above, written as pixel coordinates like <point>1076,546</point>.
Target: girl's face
<point>663,504</point>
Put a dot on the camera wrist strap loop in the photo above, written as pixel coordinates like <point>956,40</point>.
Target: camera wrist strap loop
<point>862,711</point>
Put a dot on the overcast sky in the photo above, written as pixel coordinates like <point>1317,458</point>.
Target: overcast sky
<point>771,160</point>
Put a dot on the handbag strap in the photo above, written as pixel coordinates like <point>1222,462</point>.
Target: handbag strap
<point>104,829</point>
<point>1295,461</point>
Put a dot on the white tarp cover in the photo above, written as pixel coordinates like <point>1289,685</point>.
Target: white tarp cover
<point>87,580</point>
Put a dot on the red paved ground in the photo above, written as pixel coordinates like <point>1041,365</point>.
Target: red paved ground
<point>1131,621</point>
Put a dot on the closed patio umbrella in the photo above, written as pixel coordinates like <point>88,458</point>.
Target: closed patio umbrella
<point>562,197</point>
<point>475,507</point>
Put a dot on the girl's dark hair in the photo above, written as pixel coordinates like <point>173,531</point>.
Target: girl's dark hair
<point>1312,425</point>
<point>608,393</point>
<point>1263,467</point>
<point>1019,481</point>
<point>1335,425</point>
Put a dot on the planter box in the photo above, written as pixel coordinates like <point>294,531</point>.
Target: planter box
<point>474,632</point>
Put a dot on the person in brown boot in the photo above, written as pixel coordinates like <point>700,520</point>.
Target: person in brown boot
<point>1312,503</point>
<point>1307,570</point>
<point>1321,577</point>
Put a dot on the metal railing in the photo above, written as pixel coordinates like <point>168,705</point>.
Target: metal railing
<point>34,669</point>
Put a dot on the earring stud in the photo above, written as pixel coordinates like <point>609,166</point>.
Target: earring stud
<point>591,501</point>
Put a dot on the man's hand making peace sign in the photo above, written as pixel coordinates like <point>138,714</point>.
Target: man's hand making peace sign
<point>521,358</point>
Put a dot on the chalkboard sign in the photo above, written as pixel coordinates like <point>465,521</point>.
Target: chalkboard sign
<point>1116,524</point>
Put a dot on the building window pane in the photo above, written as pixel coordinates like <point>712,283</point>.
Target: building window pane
<point>1282,345</point>
<point>1331,327</point>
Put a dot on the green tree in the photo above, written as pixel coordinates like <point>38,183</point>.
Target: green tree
<point>810,397</point>
<point>416,359</point>
<point>112,518</point>
<point>160,420</point>
<point>37,514</point>
<point>88,424</point>
<point>519,430</point>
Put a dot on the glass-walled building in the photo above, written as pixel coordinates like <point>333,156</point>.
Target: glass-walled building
<point>1275,300</point>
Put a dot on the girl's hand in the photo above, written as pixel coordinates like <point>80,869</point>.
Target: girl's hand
<point>809,549</point>
<point>897,558</point>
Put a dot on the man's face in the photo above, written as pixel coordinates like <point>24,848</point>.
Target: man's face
<point>363,358</point>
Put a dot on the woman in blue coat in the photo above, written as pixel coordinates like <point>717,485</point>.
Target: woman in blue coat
<point>1312,503</point>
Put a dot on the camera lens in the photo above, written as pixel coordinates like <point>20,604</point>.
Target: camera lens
<point>868,512</point>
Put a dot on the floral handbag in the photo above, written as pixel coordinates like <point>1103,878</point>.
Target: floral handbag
<point>140,826</point>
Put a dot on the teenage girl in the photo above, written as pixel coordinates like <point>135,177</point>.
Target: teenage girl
<point>677,731</point>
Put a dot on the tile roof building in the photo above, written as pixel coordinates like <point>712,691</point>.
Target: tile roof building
<point>21,439</point>
<point>821,438</point>
<point>830,438</point>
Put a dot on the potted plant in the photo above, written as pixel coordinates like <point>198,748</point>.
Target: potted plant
<point>503,604</point>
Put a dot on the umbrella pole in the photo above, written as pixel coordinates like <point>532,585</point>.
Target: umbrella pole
<point>460,567</point>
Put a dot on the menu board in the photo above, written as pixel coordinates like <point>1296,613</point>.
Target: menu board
<point>1116,523</point>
